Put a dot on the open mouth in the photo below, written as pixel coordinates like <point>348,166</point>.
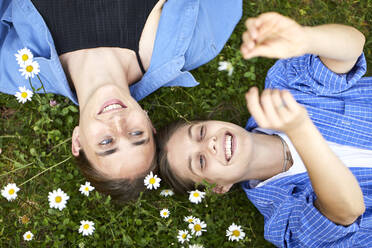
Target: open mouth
<point>112,105</point>
<point>229,146</point>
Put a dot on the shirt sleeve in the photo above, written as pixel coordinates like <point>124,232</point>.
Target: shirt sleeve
<point>308,226</point>
<point>292,220</point>
<point>308,74</point>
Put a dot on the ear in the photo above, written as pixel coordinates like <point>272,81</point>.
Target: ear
<point>221,189</point>
<point>152,127</point>
<point>75,143</point>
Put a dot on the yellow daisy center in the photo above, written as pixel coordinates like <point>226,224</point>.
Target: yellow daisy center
<point>58,199</point>
<point>165,213</point>
<point>86,226</point>
<point>236,233</point>
<point>86,189</point>
<point>24,94</point>
<point>11,191</point>
<point>24,57</point>
<point>184,235</point>
<point>190,220</point>
<point>196,194</point>
<point>152,180</point>
<point>28,236</point>
<point>197,227</point>
<point>29,68</point>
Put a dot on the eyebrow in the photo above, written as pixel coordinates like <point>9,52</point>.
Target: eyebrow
<point>189,131</point>
<point>190,167</point>
<point>141,142</point>
<point>108,152</point>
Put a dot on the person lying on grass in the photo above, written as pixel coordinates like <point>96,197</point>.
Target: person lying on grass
<point>308,166</point>
<point>105,56</point>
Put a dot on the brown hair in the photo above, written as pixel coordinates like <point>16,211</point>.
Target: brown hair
<point>121,190</point>
<point>179,184</point>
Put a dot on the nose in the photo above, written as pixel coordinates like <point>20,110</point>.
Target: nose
<point>212,144</point>
<point>119,124</point>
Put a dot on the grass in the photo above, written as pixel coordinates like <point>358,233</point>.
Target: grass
<point>35,143</point>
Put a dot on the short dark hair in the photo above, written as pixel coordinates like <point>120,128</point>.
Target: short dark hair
<point>179,184</point>
<point>121,190</point>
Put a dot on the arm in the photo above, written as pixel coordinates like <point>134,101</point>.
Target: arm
<point>339,196</point>
<point>275,36</point>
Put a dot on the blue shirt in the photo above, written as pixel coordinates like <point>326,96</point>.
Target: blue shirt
<point>340,105</point>
<point>190,33</point>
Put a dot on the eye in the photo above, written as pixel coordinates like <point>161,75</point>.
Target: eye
<point>202,161</point>
<point>136,133</point>
<point>106,141</point>
<point>202,132</point>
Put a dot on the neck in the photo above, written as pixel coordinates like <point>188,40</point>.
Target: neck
<point>267,157</point>
<point>90,69</point>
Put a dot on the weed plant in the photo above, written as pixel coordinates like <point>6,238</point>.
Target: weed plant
<point>35,152</point>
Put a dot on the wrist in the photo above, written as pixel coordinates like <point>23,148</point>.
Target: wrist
<point>298,130</point>
<point>309,41</point>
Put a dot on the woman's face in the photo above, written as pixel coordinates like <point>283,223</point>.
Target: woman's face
<point>115,134</point>
<point>216,151</point>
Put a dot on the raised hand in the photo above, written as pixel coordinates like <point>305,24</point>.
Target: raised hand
<point>273,35</point>
<point>276,109</point>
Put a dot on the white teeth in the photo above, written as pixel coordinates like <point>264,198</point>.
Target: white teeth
<point>228,146</point>
<point>112,106</point>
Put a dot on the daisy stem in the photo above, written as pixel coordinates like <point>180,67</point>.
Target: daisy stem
<point>66,140</point>
<point>9,136</point>
<point>51,167</point>
<point>175,110</point>
<point>42,85</point>
<point>250,227</point>
<point>16,169</point>
<point>32,87</point>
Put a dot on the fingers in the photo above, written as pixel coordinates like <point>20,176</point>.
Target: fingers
<point>269,107</point>
<point>248,44</point>
<point>291,103</point>
<point>273,109</point>
<point>254,107</point>
<point>259,29</point>
<point>280,104</point>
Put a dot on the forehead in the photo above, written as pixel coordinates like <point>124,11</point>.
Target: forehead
<point>179,149</point>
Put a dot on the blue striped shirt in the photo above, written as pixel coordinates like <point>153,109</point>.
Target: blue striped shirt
<point>340,105</point>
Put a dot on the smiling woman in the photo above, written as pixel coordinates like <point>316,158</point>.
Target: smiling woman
<point>308,174</point>
<point>106,55</point>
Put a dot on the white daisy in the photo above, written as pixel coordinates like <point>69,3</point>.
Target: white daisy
<point>30,69</point>
<point>226,66</point>
<point>23,95</point>
<point>167,192</point>
<point>23,56</point>
<point>183,235</point>
<point>196,196</point>
<point>164,213</point>
<point>86,227</point>
<point>10,191</point>
<point>196,246</point>
<point>235,232</point>
<point>197,227</point>
<point>86,188</point>
<point>152,181</point>
<point>28,236</point>
<point>190,219</point>
<point>58,199</point>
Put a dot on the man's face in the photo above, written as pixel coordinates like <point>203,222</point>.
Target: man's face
<point>115,134</point>
<point>216,151</point>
